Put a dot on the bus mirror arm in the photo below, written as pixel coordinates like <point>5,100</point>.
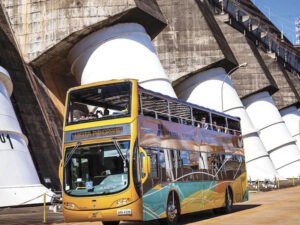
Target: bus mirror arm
<point>117,145</point>
<point>68,157</point>
<point>60,172</point>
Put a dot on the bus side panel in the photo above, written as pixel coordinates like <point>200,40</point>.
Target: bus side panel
<point>197,195</point>
<point>193,196</point>
<point>204,195</point>
<point>154,202</point>
<point>240,188</point>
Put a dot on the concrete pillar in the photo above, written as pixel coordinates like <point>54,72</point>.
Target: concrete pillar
<point>19,182</point>
<point>118,52</point>
<point>291,117</point>
<point>274,134</point>
<point>213,89</point>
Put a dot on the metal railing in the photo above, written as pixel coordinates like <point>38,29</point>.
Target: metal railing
<point>187,121</point>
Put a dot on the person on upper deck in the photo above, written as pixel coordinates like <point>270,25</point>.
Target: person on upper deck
<point>215,127</point>
<point>203,123</point>
<point>105,112</point>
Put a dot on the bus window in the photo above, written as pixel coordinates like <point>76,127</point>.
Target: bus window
<point>234,126</point>
<point>218,123</point>
<point>214,165</point>
<point>201,118</point>
<point>203,166</point>
<point>194,164</point>
<point>154,165</point>
<point>153,106</point>
<point>162,166</point>
<point>203,161</point>
<point>243,165</point>
<point>96,169</point>
<point>181,112</point>
<point>221,165</point>
<point>175,119</point>
<point>190,165</point>
<point>233,166</point>
<point>177,164</point>
<point>99,103</point>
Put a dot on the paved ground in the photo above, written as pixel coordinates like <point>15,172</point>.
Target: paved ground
<point>280,207</point>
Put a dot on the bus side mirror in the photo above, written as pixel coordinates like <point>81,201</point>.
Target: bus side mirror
<point>146,165</point>
<point>60,172</point>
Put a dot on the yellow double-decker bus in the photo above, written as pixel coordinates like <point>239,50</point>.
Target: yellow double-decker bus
<point>133,154</point>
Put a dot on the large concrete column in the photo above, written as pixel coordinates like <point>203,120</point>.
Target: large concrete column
<point>19,182</point>
<point>274,134</point>
<point>291,117</point>
<point>118,52</point>
<point>213,89</point>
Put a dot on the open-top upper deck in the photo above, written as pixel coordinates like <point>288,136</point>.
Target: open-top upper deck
<point>115,99</point>
<point>163,107</point>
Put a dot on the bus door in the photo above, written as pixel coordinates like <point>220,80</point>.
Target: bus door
<point>156,169</point>
<point>154,182</point>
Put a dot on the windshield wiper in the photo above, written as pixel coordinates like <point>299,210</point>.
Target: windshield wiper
<point>117,145</point>
<point>71,153</point>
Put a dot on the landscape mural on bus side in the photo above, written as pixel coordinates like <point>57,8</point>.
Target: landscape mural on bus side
<point>197,163</point>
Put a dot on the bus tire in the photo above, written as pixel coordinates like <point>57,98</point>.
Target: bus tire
<point>172,210</point>
<point>228,202</point>
<point>110,222</point>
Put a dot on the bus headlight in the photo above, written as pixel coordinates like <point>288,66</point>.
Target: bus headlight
<point>121,202</point>
<point>70,205</point>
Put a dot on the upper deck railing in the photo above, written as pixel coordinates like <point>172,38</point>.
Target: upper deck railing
<point>166,108</point>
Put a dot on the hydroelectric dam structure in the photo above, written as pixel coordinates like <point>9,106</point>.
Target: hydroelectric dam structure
<point>222,54</point>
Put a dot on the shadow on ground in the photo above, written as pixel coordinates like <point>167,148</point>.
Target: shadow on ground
<point>34,216</point>
<point>198,216</point>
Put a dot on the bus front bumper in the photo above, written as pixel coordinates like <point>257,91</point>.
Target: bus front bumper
<point>133,212</point>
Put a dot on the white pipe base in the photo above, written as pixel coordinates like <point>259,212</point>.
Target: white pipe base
<point>22,195</point>
<point>122,51</point>
<point>291,117</point>
<point>274,134</point>
<point>19,179</point>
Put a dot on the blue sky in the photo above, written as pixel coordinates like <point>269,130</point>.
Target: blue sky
<point>282,13</point>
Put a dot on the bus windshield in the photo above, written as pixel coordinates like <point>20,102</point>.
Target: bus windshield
<point>97,169</point>
<point>99,103</point>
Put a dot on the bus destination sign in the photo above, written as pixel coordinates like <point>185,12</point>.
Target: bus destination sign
<point>97,133</point>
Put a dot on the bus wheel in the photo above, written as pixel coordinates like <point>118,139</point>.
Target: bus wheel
<point>228,202</point>
<point>172,210</point>
<point>111,223</point>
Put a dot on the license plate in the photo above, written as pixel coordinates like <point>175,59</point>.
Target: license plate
<point>124,212</point>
